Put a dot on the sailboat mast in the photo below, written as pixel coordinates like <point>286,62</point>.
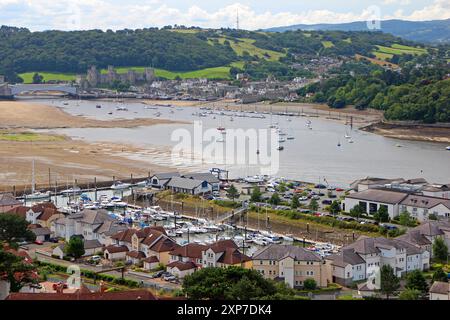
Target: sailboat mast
<point>33,182</point>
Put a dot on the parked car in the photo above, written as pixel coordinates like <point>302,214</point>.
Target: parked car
<point>54,240</point>
<point>332,196</point>
<point>157,274</point>
<point>38,242</point>
<point>216,193</point>
<point>331,188</point>
<point>95,258</point>
<point>339,189</point>
<point>169,277</point>
<point>320,186</point>
<point>55,285</point>
<point>327,202</point>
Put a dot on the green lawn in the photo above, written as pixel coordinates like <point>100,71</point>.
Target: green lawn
<point>48,76</point>
<point>28,137</point>
<point>245,44</point>
<point>388,52</point>
<point>327,44</point>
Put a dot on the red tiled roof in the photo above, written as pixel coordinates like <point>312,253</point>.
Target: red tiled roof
<point>136,254</point>
<point>182,266</point>
<point>116,249</point>
<point>164,244</point>
<point>21,211</point>
<point>119,295</point>
<point>222,245</point>
<point>190,250</point>
<point>152,259</point>
<point>233,256</point>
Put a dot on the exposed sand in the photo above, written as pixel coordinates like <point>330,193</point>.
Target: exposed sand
<point>15,114</point>
<point>416,133</point>
<point>68,160</point>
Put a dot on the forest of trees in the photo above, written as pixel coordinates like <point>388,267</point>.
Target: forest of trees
<point>419,92</point>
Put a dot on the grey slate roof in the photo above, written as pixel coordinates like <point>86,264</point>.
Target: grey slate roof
<point>41,231</point>
<point>430,229</point>
<point>207,176</point>
<point>278,252</point>
<point>440,287</point>
<point>377,195</point>
<point>346,257</point>
<point>424,201</point>
<point>95,216</point>
<point>7,199</point>
<point>184,183</point>
<point>92,244</point>
<point>415,237</point>
<point>166,175</point>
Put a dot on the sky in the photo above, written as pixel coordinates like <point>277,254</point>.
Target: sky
<point>38,15</point>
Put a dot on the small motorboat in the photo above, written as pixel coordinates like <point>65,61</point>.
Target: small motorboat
<point>118,185</point>
<point>280,148</point>
<point>448,148</point>
<point>351,141</point>
<point>110,112</point>
<point>290,138</point>
<point>74,190</point>
<point>122,109</point>
<point>98,106</point>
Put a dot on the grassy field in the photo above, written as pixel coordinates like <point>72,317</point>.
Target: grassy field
<point>245,44</point>
<point>327,44</point>
<point>48,76</point>
<point>397,49</point>
<point>28,137</point>
<point>209,73</point>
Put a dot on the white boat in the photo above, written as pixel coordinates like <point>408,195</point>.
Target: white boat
<point>73,190</point>
<point>118,185</point>
<point>288,238</point>
<point>281,140</point>
<point>448,148</point>
<point>254,179</point>
<point>290,138</point>
<point>350,141</point>
<point>121,109</point>
<point>38,195</point>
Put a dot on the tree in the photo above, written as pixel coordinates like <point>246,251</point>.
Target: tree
<point>440,275</point>
<point>405,219</point>
<point>232,192</point>
<point>440,250</point>
<point>389,283</point>
<point>15,270</point>
<point>37,78</point>
<point>357,211</point>
<point>382,214</point>
<point>227,283</point>
<point>416,281</point>
<point>335,207</point>
<point>14,228</point>
<point>410,294</point>
<point>256,195</point>
<point>314,205</point>
<point>75,247</point>
<point>275,199</point>
<point>295,203</point>
<point>310,284</point>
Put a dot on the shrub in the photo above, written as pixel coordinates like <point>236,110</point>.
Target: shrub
<point>310,284</point>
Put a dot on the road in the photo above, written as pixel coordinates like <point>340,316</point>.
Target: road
<point>157,284</point>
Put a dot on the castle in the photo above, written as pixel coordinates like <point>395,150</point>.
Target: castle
<point>95,78</point>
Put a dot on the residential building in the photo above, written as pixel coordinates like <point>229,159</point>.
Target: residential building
<point>425,234</point>
<point>191,252</point>
<point>160,180</point>
<point>291,264</point>
<point>8,202</point>
<point>361,259</point>
<point>189,186</point>
<point>145,243</point>
<point>440,291</point>
<point>181,269</point>
<point>420,207</point>
<point>437,190</point>
<point>224,253</point>
<point>91,247</point>
<point>207,176</point>
<point>115,252</point>
<point>91,224</point>
<point>372,182</point>
<point>371,200</point>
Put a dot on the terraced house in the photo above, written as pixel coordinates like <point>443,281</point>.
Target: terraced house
<point>361,259</point>
<point>291,264</point>
<point>145,243</point>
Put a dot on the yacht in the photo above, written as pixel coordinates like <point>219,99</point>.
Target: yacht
<point>121,109</point>
<point>38,195</point>
<point>290,138</point>
<point>118,185</point>
<point>280,148</point>
<point>73,190</point>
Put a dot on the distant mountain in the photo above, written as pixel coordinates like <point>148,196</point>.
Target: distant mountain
<point>436,31</point>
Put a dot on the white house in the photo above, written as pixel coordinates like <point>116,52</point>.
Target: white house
<point>359,260</point>
<point>440,291</point>
<point>371,200</point>
<point>181,269</point>
<point>189,186</point>
<point>420,207</point>
<point>160,180</point>
<point>115,252</point>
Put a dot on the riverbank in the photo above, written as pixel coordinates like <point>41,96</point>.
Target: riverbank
<point>15,114</point>
<point>410,132</point>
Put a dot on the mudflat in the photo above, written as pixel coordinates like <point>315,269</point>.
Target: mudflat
<point>15,114</point>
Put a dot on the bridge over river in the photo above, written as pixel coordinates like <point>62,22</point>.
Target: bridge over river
<point>33,88</point>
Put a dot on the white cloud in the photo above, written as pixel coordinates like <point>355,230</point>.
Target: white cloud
<point>104,14</point>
